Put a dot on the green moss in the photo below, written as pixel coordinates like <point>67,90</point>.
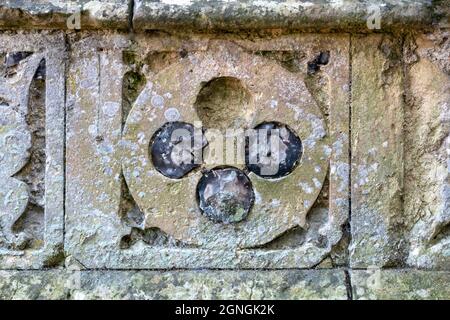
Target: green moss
<point>129,57</point>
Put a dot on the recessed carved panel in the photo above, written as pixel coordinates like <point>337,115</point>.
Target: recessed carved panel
<point>31,149</point>
<point>125,169</point>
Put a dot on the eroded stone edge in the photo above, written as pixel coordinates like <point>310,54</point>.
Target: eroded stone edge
<point>377,151</point>
<point>201,15</point>
<point>313,16</point>
<point>81,14</point>
<point>139,256</point>
<point>298,284</point>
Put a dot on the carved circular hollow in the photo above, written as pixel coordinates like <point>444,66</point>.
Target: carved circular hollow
<point>280,204</point>
<point>274,151</point>
<point>224,103</point>
<point>225,195</point>
<point>173,149</point>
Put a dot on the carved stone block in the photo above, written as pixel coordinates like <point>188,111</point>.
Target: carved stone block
<point>126,211</point>
<point>31,149</point>
<point>400,152</point>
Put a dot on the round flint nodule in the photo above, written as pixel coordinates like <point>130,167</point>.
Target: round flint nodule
<point>225,195</point>
<point>173,149</point>
<point>271,161</point>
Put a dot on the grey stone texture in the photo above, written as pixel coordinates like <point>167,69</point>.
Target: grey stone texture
<point>186,285</point>
<point>17,251</point>
<point>365,214</point>
<point>400,154</point>
<point>64,14</point>
<point>293,15</point>
<point>97,146</point>
<point>233,285</point>
<point>168,15</point>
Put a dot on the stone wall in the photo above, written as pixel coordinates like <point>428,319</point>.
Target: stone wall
<point>91,208</point>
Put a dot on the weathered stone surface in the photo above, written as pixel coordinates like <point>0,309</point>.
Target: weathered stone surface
<point>364,118</point>
<point>95,148</point>
<point>200,15</point>
<point>93,132</point>
<point>427,151</point>
<point>62,14</point>
<point>16,142</point>
<point>400,167</point>
<point>205,285</point>
<point>275,210</point>
<point>32,149</point>
<point>293,15</point>
<point>400,284</point>
<point>300,284</point>
<point>377,151</point>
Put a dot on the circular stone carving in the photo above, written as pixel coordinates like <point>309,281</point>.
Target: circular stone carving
<point>273,156</point>
<point>276,95</point>
<point>225,195</point>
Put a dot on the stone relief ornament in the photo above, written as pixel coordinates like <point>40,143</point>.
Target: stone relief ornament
<point>153,210</point>
<point>280,203</point>
<point>15,142</point>
<point>31,149</point>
